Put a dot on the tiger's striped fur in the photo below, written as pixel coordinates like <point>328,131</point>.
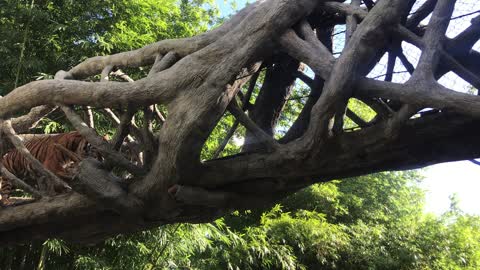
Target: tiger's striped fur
<point>48,154</point>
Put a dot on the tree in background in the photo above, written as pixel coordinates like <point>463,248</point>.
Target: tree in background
<point>41,37</point>
<point>371,222</point>
<point>196,80</point>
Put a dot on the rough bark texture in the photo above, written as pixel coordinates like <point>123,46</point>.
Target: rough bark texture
<point>197,80</point>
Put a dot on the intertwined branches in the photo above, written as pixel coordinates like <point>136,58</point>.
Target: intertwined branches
<point>162,178</point>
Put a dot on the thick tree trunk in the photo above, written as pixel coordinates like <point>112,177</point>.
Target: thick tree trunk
<point>197,80</point>
<point>278,83</point>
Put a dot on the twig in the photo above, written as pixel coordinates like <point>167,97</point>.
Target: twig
<point>245,103</point>
<point>461,70</point>
<point>227,138</point>
<point>392,57</point>
<point>112,115</point>
<point>339,120</point>
<point>90,120</point>
<point>133,128</point>
<point>304,78</point>
<point>113,157</point>
<point>159,114</point>
<point>465,15</point>
<point>120,74</point>
<point>355,118</point>
<point>163,62</point>
<point>106,73</point>
<point>338,33</point>
<point>351,24</point>
<point>19,183</point>
<point>406,63</point>
<point>251,126</point>
<point>385,74</point>
<point>475,162</point>
<point>122,130</point>
<point>148,138</point>
<point>421,13</point>
<point>379,106</point>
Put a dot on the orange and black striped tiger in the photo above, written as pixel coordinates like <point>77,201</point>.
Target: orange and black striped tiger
<point>46,150</point>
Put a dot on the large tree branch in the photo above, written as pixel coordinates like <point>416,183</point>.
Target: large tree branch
<point>426,94</point>
<point>276,88</point>
<point>433,40</point>
<point>368,150</point>
<point>147,55</point>
<point>363,46</point>
<point>107,94</point>
<point>199,84</point>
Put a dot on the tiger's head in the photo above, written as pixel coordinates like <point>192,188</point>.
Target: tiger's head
<point>77,144</point>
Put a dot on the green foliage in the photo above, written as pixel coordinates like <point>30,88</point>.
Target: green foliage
<point>293,107</point>
<point>315,241</point>
<point>451,241</point>
<point>49,126</point>
<point>217,137</point>
<point>206,246</point>
<point>56,246</point>
<point>61,33</point>
<point>147,21</point>
<point>360,109</point>
<point>382,197</point>
<point>324,198</point>
<point>369,222</point>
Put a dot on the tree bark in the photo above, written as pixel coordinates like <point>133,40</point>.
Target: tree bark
<point>276,88</point>
<point>197,80</point>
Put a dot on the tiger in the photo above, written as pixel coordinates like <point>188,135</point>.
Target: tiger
<point>48,151</point>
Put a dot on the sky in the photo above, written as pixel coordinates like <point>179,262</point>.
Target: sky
<point>226,8</point>
<point>441,180</point>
